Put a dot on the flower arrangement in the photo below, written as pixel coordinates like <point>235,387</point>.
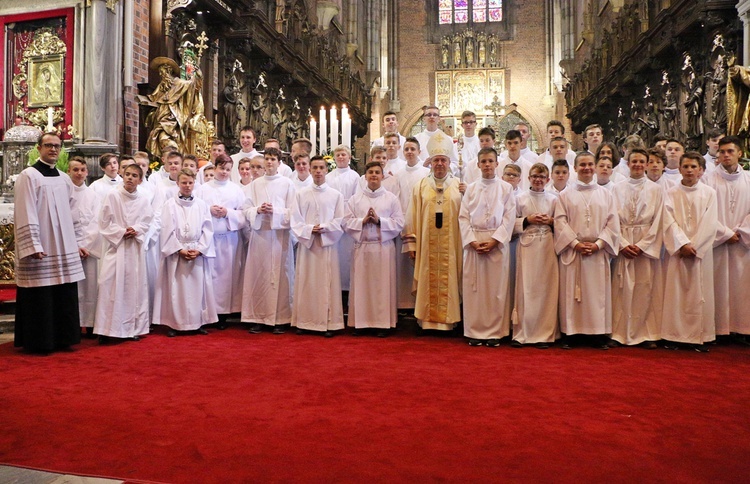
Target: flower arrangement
<point>154,166</point>
<point>330,162</point>
<point>11,181</point>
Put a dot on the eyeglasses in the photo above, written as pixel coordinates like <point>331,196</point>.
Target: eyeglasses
<point>52,146</point>
<point>431,115</point>
<point>468,122</point>
<point>537,177</point>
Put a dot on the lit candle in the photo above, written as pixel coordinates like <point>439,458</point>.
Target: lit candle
<point>50,119</point>
<point>323,130</point>
<point>334,128</point>
<point>346,127</point>
<point>313,130</point>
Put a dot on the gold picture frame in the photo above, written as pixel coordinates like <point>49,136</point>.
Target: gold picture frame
<point>45,85</point>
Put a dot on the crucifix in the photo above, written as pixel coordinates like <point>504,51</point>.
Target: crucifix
<point>202,44</point>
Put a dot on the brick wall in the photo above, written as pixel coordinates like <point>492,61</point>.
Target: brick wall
<point>129,132</point>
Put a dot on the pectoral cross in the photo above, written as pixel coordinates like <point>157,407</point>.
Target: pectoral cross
<point>185,230</point>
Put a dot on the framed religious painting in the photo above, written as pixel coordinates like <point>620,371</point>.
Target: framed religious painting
<point>45,86</point>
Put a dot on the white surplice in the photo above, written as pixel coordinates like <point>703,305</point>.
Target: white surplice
<point>122,309</point>
<point>407,179</point>
<point>226,266</point>
<point>731,261</point>
<point>317,287</point>
<point>104,185</point>
<point>689,217</point>
<point>637,285</point>
<point>184,295</point>
<point>488,211</point>
<point>537,272</point>
<point>372,296</point>
<point>88,205</point>
<point>523,163</point>
<point>344,180</point>
<point>586,213</point>
<point>269,268</point>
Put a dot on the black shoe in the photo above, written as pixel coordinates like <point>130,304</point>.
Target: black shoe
<point>603,347</point>
<point>135,338</point>
<point>566,346</point>
<point>90,333</point>
<point>171,333</point>
<point>516,344</point>
<point>475,342</point>
<point>328,334</point>
<point>300,331</point>
<point>103,340</point>
<point>613,344</point>
<point>541,346</point>
<point>492,343</point>
<point>221,325</point>
<point>649,345</point>
<point>701,348</point>
<point>279,330</point>
<point>357,332</point>
<point>671,346</point>
<point>201,331</point>
<point>255,329</point>
<point>382,334</point>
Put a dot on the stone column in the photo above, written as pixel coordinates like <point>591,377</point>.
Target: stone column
<point>743,7</point>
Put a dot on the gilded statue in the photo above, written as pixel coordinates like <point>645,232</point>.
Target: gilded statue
<point>738,101</point>
<point>178,115</point>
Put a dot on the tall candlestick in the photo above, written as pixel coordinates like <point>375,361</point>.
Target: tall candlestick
<point>313,135</point>
<point>334,128</point>
<point>323,130</point>
<point>50,119</point>
<point>346,127</point>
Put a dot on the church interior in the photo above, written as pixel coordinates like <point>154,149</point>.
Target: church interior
<point>329,71</point>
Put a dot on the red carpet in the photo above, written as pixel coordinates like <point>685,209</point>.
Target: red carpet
<point>7,293</point>
<point>234,407</point>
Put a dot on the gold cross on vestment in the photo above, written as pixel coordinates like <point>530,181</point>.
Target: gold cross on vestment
<point>202,43</point>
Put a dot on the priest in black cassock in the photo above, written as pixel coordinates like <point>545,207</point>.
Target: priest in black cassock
<point>48,257</point>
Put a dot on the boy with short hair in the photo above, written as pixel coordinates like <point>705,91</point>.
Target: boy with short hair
<point>316,223</point>
<point>393,163</point>
<point>638,284</point>
<point>389,182</point>
<point>269,268</point>
<point>470,139</point>
<point>690,223</point>
<point>412,173</point>
<point>730,253</point>
<point>604,172</point>
<point>593,136</point>
<point>512,176</point>
<point>346,181</point>
<point>657,160</point>
<point>535,314</point>
<point>674,151</point>
<point>712,154</point>
<point>88,205</point>
<point>560,176</point>
<point>301,174</point>
<point>486,219</point>
<point>184,298</point>
<point>109,163</point>
<point>472,172</point>
<point>587,232</point>
<point>122,309</point>
<point>208,173</point>
<point>631,142</point>
<point>225,201</point>
<point>512,155</point>
<point>373,219</point>
<point>558,149</point>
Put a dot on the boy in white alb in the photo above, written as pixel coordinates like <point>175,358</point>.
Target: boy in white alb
<point>690,223</point>
<point>316,223</point>
<point>110,164</point>
<point>486,219</point>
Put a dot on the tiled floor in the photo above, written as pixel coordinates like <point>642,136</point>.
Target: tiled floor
<point>19,475</point>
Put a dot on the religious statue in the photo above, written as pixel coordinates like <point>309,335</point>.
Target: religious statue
<point>445,53</point>
<point>178,114</point>
<point>232,106</point>
<point>738,101</point>
<point>293,124</point>
<point>493,52</point>
<point>482,51</point>
<point>470,52</point>
<point>693,100</point>
<point>717,80</point>
<point>457,52</point>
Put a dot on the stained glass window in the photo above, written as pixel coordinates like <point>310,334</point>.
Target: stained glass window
<point>460,11</point>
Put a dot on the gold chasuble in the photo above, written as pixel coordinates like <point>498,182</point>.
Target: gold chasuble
<point>437,267</point>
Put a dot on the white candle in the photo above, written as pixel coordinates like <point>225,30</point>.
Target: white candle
<point>346,127</point>
<point>323,130</point>
<point>313,137</point>
<point>334,128</point>
<point>50,119</point>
